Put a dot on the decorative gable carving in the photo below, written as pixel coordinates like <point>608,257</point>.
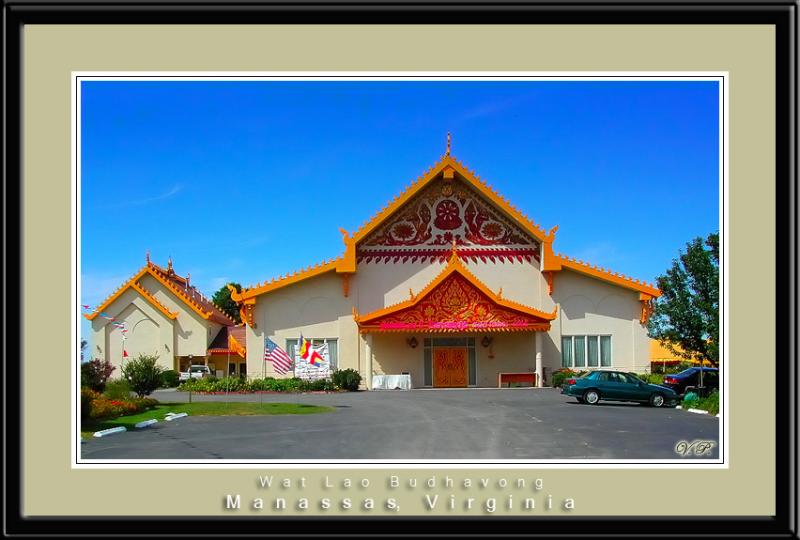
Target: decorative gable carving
<point>448,211</point>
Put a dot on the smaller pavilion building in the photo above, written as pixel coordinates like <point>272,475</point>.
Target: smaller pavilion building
<point>166,316</point>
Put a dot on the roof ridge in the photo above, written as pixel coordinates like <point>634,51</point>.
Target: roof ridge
<point>206,314</point>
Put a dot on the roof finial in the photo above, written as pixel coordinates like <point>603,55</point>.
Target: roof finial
<point>447,153</point>
<point>169,264</point>
<point>147,256</point>
<point>454,252</point>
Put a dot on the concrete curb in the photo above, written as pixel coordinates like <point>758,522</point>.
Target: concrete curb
<point>172,416</point>
<point>146,423</point>
<point>110,431</point>
<point>698,411</point>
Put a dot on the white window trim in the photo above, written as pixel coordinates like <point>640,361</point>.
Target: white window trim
<point>586,351</point>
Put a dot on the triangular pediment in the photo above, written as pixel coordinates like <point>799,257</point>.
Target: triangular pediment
<point>456,301</point>
<point>448,204</point>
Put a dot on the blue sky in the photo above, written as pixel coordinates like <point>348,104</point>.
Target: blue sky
<point>243,181</point>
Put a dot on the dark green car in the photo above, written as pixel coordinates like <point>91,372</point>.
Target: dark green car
<point>617,386</point>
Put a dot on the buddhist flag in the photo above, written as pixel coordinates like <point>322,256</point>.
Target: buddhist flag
<point>308,353</point>
<point>124,353</point>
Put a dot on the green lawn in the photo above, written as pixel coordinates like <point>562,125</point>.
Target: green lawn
<point>88,427</point>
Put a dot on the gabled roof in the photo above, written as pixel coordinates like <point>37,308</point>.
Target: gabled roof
<point>229,339</point>
<point>456,266</point>
<point>176,284</point>
<point>447,164</point>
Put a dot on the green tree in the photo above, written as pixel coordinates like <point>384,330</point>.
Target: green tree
<point>222,298</point>
<point>143,373</point>
<point>685,317</point>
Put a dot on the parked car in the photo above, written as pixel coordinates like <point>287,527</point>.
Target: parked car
<point>612,385</point>
<point>195,372</point>
<point>691,378</point>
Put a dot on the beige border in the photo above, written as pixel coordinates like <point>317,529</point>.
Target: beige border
<point>50,487</point>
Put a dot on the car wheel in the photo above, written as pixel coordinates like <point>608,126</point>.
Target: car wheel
<point>656,400</point>
<point>591,397</point>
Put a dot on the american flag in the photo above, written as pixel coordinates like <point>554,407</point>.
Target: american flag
<point>280,360</point>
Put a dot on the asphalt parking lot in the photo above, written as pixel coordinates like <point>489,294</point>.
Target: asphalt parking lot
<point>485,424</point>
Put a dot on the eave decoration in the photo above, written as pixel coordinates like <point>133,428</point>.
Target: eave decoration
<point>456,301</point>
<point>177,285</point>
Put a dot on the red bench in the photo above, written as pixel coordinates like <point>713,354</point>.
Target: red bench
<point>509,378</point>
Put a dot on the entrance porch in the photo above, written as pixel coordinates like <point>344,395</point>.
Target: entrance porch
<point>468,360</point>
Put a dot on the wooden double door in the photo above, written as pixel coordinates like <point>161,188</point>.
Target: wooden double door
<point>450,367</point>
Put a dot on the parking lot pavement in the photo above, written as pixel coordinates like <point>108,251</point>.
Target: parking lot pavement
<point>502,424</point>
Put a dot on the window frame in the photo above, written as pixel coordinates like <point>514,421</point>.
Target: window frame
<point>598,338</point>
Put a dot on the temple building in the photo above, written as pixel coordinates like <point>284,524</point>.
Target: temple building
<point>165,315</point>
<point>451,285</point>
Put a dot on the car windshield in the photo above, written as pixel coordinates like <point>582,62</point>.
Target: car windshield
<point>198,369</point>
<point>688,371</point>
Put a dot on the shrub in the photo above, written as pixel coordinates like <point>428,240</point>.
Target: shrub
<point>170,379</point>
<point>560,375</point>
<point>144,374</point>
<point>95,373</point>
<point>346,379</point>
<point>651,378</point>
<point>117,389</point>
<point>87,396</point>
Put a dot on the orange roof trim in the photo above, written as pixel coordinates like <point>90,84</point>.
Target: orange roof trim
<point>605,274</point>
<point>161,307</point>
<point>288,279</point>
<point>447,164</point>
<point>455,264</point>
<point>156,271</point>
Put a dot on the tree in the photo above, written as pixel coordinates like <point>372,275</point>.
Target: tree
<point>685,317</point>
<point>144,374</point>
<point>222,298</point>
<point>95,374</point>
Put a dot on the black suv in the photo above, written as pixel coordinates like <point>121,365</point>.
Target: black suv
<point>691,378</point>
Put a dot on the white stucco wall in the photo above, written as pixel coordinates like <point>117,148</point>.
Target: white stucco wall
<point>193,332</point>
<point>316,307</point>
<point>377,285</point>
<point>149,332</point>
<point>589,306</point>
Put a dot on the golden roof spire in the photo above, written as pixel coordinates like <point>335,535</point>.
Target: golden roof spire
<point>447,153</point>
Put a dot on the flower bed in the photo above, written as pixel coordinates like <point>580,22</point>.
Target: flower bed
<point>97,406</point>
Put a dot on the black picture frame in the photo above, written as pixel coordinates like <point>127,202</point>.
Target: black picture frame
<point>783,15</point>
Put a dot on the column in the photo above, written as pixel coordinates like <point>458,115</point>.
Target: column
<point>539,338</point>
<point>368,361</point>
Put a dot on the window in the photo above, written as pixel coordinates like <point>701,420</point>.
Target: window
<point>333,349</point>
<point>586,351</point>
